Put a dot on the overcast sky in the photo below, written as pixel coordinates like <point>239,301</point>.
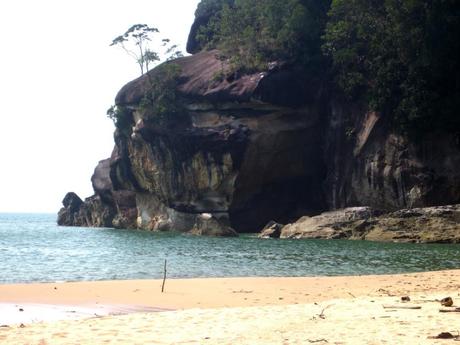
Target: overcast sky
<point>58,76</point>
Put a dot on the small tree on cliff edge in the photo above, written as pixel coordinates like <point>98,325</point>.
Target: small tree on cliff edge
<point>135,42</point>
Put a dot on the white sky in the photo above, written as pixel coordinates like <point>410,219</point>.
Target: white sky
<point>58,76</point>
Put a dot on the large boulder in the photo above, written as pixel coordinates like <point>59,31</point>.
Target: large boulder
<point>271,230</point>
<point>207,225</point>
<point>72,204</point>
<point>330,225</point>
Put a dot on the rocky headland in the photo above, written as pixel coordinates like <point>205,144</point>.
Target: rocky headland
<point>240,150</point>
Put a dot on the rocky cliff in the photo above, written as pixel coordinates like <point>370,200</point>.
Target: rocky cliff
<point>240,150</point>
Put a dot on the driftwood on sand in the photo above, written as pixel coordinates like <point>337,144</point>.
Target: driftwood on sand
<point>387,306</point>
<point>450,310</point>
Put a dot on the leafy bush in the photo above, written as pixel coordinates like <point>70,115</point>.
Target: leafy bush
<point>120,115</point>
<point>160,99</point>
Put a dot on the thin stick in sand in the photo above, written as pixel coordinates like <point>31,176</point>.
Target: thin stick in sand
<point>164,279</point>
<point>386,306</point>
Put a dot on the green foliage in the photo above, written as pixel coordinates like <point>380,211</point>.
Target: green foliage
<point>159,104</point>
<point>210,11</point>
<point>138,36</point>
<point>160,100</point>
<point>120,115</point>
<point>252,33</point>
<point>400,56</point>
<point>136,43</point>
<point>211,7</point>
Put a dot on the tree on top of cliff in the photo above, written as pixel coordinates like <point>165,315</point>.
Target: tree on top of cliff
<point>136,43</point>
<point>252,33</point>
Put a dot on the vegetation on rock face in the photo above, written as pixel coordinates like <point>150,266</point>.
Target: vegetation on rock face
<point>120,115</point>
<point>401,57</point>
<point>160,99</point>
<point>253,33</point>
<point>159,103</point>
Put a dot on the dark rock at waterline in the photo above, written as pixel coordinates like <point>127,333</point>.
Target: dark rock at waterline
<point>93,212</point>
<point>72,204</point>
<point>271,230</point>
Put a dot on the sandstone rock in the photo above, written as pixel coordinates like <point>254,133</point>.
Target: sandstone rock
<point>368,163</point>
<point>271,230</point>
<point>421,225</point>
<point>207,225</point>
<point>239,149</point>
<point>439,224</point>
<point>343,223</point>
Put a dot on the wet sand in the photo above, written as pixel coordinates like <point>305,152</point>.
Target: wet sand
<point>328,310</point>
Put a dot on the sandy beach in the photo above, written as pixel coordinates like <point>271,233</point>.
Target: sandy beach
<point>322,310</point>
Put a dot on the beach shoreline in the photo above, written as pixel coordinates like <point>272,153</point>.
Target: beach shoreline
<point>234,305</point>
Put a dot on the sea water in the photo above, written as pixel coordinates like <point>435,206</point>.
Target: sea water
<point>34,249</point>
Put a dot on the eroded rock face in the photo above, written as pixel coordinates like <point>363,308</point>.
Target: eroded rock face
<point>243,150</point>
<point>419,225</point>
<point>369,163</point>
<point>107,208</point>
<point>248,149</point>
<point>238,151</point>
<point>93,212</point>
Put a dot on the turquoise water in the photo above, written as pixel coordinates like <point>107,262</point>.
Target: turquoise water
<point>34,249</point>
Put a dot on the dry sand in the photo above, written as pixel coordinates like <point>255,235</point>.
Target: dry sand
<point>320,310</point>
